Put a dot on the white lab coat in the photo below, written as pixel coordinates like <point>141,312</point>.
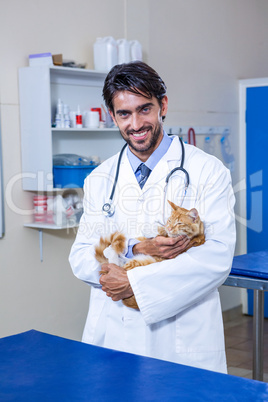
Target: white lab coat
<point>180,317</point>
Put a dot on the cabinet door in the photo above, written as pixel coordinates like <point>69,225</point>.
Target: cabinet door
<point>257,168</point>
<point>257,173</point>
<point>35,120</point>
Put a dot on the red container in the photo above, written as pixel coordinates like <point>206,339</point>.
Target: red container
<point>97,109</point>
<point>40,208</point>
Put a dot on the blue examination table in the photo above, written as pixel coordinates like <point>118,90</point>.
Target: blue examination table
<point>35,366</point>
<point>250,271</point>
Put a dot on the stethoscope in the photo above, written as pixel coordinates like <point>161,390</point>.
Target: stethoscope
<point>108,208</point>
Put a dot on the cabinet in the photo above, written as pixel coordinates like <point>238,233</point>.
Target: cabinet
<point>39,89</point>
<point>254,140</point>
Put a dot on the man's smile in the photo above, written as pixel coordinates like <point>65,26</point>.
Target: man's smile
<point>139,135</point>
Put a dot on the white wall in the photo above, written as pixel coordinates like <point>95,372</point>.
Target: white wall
<point>45,296</point>
<point>201,49</point>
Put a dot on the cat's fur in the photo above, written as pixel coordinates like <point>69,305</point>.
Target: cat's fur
<point>181,222</point>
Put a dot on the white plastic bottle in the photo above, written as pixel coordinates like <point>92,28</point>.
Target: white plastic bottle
<point>60,106</point>
<point>58,121</point>
<point>79,121</point>
<point>111,51</point>
<point>135,50</point>
<point>105,53</point>
<point>99,55</point>
<point>123,51</point>
<point>67,121</point>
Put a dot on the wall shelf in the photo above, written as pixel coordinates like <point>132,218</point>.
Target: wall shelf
<point>49,226</point>
<point>93,130</point>
<point>43,226</point>
<point>40,88</point>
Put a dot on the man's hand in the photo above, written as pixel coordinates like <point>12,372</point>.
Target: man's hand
<point>115,282</point>
<point>164,247</point>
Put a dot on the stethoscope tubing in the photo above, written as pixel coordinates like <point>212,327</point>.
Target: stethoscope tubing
<point>117,172</point>
<point>180,167</point>
<point>108,208</point>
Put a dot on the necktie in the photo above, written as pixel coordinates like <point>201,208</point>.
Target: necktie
<point>145,173</point>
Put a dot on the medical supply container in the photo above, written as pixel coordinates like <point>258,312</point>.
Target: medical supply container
<point>71,176</point>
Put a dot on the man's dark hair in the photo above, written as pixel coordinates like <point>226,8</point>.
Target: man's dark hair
<point>136,77</point>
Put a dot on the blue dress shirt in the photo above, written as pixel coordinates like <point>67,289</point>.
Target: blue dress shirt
<point>153,159</point>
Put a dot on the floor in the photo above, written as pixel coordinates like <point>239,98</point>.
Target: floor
<point>238,340</point>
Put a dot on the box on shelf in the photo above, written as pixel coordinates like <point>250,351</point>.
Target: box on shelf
<point>57,59</point>
<point>40,59</point>
<point>71,176</point>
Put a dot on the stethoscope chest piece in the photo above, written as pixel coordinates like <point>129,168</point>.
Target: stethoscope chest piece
<point>108,209</point>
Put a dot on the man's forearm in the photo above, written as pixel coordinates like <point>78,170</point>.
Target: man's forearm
<point>163,247</point>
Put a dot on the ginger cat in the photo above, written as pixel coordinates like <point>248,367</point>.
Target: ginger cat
<point>181,222</point>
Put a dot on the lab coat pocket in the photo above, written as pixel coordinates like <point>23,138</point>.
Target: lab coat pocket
<point>134,331</point>
<point>97,302</point>
<point>200,327</point>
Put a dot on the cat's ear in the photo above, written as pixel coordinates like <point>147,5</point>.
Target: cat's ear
<point>173,206</point>
<point>193,213</point>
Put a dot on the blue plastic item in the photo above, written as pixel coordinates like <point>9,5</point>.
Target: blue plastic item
<point>71,176</point>
<point>256,176</point>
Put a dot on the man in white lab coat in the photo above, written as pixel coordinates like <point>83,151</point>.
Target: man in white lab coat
<point>179,317</point>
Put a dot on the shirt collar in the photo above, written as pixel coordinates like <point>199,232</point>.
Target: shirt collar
<point>154,158</point>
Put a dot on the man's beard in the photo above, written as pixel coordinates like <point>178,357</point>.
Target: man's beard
<point>156,133</point>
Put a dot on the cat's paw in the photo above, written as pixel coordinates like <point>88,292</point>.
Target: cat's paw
<point>162,231</point>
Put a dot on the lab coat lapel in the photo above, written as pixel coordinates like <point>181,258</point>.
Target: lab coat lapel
<point>126,174</point>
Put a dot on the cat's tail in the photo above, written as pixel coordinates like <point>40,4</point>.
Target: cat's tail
<point>103,244</point>
<point>117,240</point>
